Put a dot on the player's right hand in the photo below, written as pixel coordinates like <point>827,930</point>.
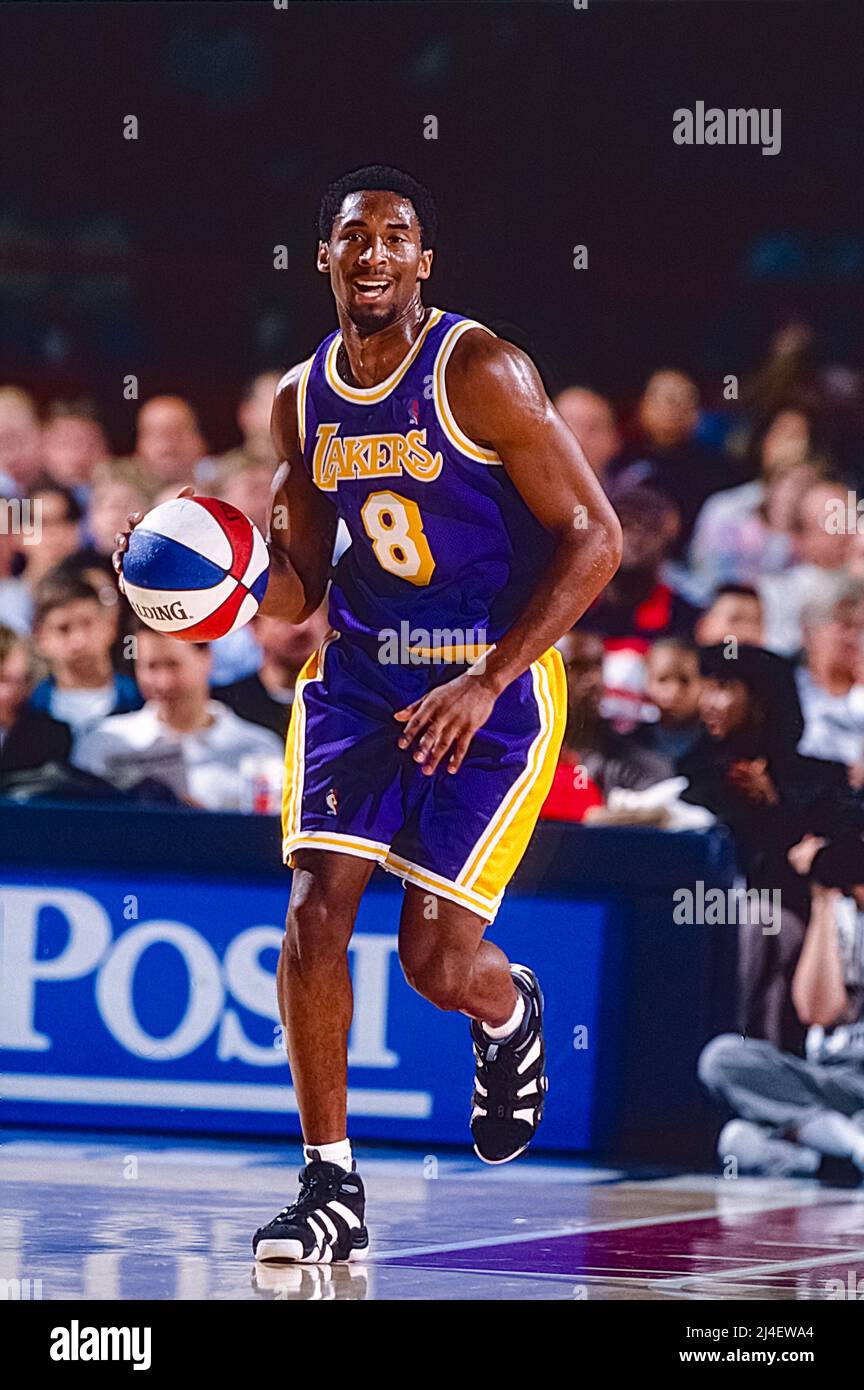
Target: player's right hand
<point>121,540</point>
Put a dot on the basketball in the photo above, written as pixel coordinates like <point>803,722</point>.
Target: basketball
<point>196,568</point>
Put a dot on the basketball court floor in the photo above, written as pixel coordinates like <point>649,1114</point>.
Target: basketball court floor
<point>124,1217</point>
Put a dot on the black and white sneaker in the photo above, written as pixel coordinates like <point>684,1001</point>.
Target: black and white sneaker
<point>510,1084</point>
<point>325,1224</point>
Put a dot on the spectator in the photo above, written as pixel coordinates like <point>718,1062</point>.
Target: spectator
<point>248,487</point>
<point>742,533</point>
<point>16,605</point>
<point>114,495</point>
<point>253,418</point>
<point>735,614</point>
<point>169,445</point>
<point>672,685</point>
<point>28,737</point>
<point>181,737</point>
<point>73,443</point>
<point>819,551</point>
<point>665,454</point>
<point>20,442</point>
<point>793,1114</point>
<point>831,680</point>
<point>266,697</point>
<point>594,758</point>
<point>58,532</point>
<point>74,632</point>
<point>592,420</point>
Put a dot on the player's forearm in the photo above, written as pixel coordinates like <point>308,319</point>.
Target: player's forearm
<point>285,596</point>
<point>581,566</point>
<point>818,987</point>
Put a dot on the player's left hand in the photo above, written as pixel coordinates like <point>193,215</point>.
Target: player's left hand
<point>446,719</point>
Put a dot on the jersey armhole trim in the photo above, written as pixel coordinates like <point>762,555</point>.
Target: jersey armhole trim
<point>445,414</point>
<point>301,403</point>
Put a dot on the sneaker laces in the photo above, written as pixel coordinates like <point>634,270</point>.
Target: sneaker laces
<point>315,1190</point>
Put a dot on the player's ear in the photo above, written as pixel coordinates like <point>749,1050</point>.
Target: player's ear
<point>323,259</point>
<point>424,265</point>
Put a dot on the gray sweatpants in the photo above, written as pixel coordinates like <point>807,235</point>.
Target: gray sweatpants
<point>760,1083</point>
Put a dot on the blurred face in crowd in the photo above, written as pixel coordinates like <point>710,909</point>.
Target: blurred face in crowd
<point>648,529</point>
<point>76,639</point>
<point>20,437</point>
<point>724,706</point>
<point>785,443</point>
<point>14,683</point>
<point>582,653</point>
<point>669,409</point>
<point>784,490</point>
<point>72,445</point>
<point>169,439</point>
<point>731,615</point>
<point>249,489</point>
<point>287,646</point>
<point>835,649</point>
<point>672,682</point>
<point>60,535</point>
<point>253,413</point>
<point>815,544</point>
<point>10,543</point>
<point>174,676</point>
<point>592,420</point>
<point>110,505</point>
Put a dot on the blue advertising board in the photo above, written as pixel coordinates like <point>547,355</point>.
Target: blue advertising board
<point>147,1000</point>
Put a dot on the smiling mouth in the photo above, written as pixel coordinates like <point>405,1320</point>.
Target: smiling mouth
<point>368,291</point>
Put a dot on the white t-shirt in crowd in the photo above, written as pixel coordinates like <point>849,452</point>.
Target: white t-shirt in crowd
<point>16,606</point>
<point>82,710</point>
<point>203,765</point>
<point>833,724</point>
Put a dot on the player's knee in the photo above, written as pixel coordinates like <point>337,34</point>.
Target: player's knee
<point>317,929</point>
<point>720,1059</point>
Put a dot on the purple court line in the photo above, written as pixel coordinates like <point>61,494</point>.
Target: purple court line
<point>842,1261</point>
<point>596,1251</point>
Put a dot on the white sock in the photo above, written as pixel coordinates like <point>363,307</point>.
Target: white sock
<point>340,1153</point>
<point>512,1023</point>
<point>835,1134</point>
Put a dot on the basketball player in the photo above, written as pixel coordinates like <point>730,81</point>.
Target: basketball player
<point>479,535</point>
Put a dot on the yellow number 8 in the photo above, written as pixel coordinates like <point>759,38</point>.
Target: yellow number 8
<point>395,528</point>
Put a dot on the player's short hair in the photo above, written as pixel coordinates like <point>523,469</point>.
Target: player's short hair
<point>380,176</point>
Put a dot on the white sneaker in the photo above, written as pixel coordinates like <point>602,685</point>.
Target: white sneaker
<point>757,1150</point>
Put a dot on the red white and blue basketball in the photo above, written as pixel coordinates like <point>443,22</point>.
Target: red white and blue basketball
<point>196,568</point>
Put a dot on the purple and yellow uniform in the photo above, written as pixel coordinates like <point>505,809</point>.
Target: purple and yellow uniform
<point>443,557</point>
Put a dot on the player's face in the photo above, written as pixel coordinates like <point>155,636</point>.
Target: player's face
<point>375,258</point>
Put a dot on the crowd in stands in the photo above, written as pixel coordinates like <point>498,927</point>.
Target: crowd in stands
<point>718,678</point>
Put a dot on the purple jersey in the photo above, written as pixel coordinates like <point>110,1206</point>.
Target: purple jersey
<point>440,538</point>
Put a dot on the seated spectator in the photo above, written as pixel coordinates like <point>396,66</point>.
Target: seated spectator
<point>74,632</point>
<point>672,685</point>
<point>20,442</point>
<point>248,487</point>
<point>831,677</point>
<point>181,737</point>
<point>742,533</point>
<point>169,446</point>
<point>58,535</point>
<point>73,443</point>
<point>746,770</point>
<point>253,418</point>
<point>28,737</point>
<point>665,454</point>
<point>594,758</point>
<point>735,614</point>
<point>592,419</point>
<point>818,551</point>
<point>114,494</point>
<point>792,1113</point>
<point>16,605</point>
<point>266,697</point>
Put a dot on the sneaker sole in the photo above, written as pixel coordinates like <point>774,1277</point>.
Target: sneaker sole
<point>273,1252</point>
<point>496,1162</point>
